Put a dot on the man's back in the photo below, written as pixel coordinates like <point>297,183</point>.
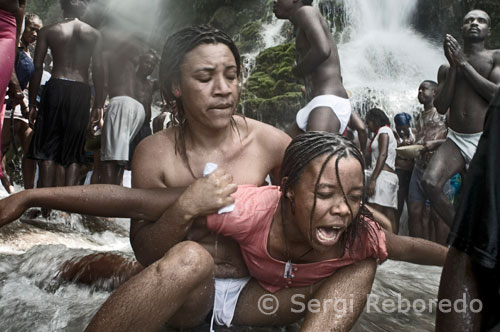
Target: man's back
<point>72,45</point>
<point>326,78</point>
<point>121,53</point>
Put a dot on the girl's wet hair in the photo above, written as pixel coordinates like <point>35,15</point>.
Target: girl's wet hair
<point>301,152</point>
<point>174,52</point>
<point>378,117</point>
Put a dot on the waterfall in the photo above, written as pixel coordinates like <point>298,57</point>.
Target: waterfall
<point>383,59</point>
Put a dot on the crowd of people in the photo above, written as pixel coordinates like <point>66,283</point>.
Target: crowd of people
<point>334,203</point>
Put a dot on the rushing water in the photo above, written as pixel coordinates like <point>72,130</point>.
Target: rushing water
<point>383,61</point>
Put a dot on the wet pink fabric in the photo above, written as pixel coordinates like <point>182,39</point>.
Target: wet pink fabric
<point>250,223</point>
<point>7,58</point>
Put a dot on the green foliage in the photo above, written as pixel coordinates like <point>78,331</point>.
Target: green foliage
<point>273,95</point>
<point>42,8</point>
<point>249,38</point>
<point>272,75</point>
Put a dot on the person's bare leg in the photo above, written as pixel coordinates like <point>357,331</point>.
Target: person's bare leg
<point>441,230</point>
<point>5,147</point>
<point>457,281</point>
<point>446,162</point>
<point>47,178</point>
<point>415,214</point>
<point>60,175</point>
<point>96,174</point>
<point>323,119</point>
<point>5,178</point>
<point>72,175</point>
<point>28,170</point>
<point>402,198</point>
<point>177,289</point>
<point>110,172</point>
<point>28,165</point>
<point>351,284</point>
<point>47,174</point>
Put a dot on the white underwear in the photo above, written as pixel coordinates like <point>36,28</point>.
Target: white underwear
<point>466,143</point>
<point>341,107</point>
<point>227,291</point>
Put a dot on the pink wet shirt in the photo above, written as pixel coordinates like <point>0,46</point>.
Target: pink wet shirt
<point>250,223</point>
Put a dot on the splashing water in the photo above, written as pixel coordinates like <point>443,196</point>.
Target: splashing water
<point>383,59</point>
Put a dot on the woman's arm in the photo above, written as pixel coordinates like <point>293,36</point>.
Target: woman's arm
<point>99,200</point>
<point>383,147</point>
<point>415,250</point>
<point>151,240</point>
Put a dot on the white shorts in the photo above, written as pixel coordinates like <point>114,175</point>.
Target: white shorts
<point>122,121</point>
<point>227,292</point>
<point>386,190</point>
<point>341,107</point>
<point>467,143</point>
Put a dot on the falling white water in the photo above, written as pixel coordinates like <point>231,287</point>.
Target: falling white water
<point>383,59</point>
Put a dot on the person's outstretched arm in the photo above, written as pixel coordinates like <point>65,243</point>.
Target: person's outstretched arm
<point>99,200</point>
<point>415,250</point>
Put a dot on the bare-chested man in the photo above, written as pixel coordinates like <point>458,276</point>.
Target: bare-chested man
<point>329,108</point>
<point>466,86</point>
<point>62,121</point>
<point>125,114</point>
<point>144,89</point>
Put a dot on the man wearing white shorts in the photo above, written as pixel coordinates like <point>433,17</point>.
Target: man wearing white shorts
<point>318,63</point>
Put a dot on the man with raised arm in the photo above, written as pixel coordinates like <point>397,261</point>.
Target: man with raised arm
<point>63,118</point>
<point>328,108</point>
<point>466,86</point>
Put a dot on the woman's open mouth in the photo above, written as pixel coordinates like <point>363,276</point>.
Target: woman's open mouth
<point>329,235</point>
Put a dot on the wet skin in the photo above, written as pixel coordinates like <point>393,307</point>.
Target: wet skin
<point>73,44</point>
<point>466,86</point>
<point>209,88</point>
<point>145,87</point>
<point>317,61</point>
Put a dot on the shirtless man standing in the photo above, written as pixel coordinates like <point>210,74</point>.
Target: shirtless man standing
<point>62,122</point>
<point>466,86</point>
<point>144,90</point>
<point>329,108</point>
<point>125,114</point>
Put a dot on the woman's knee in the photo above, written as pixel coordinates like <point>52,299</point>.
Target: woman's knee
<point>190,258</point>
